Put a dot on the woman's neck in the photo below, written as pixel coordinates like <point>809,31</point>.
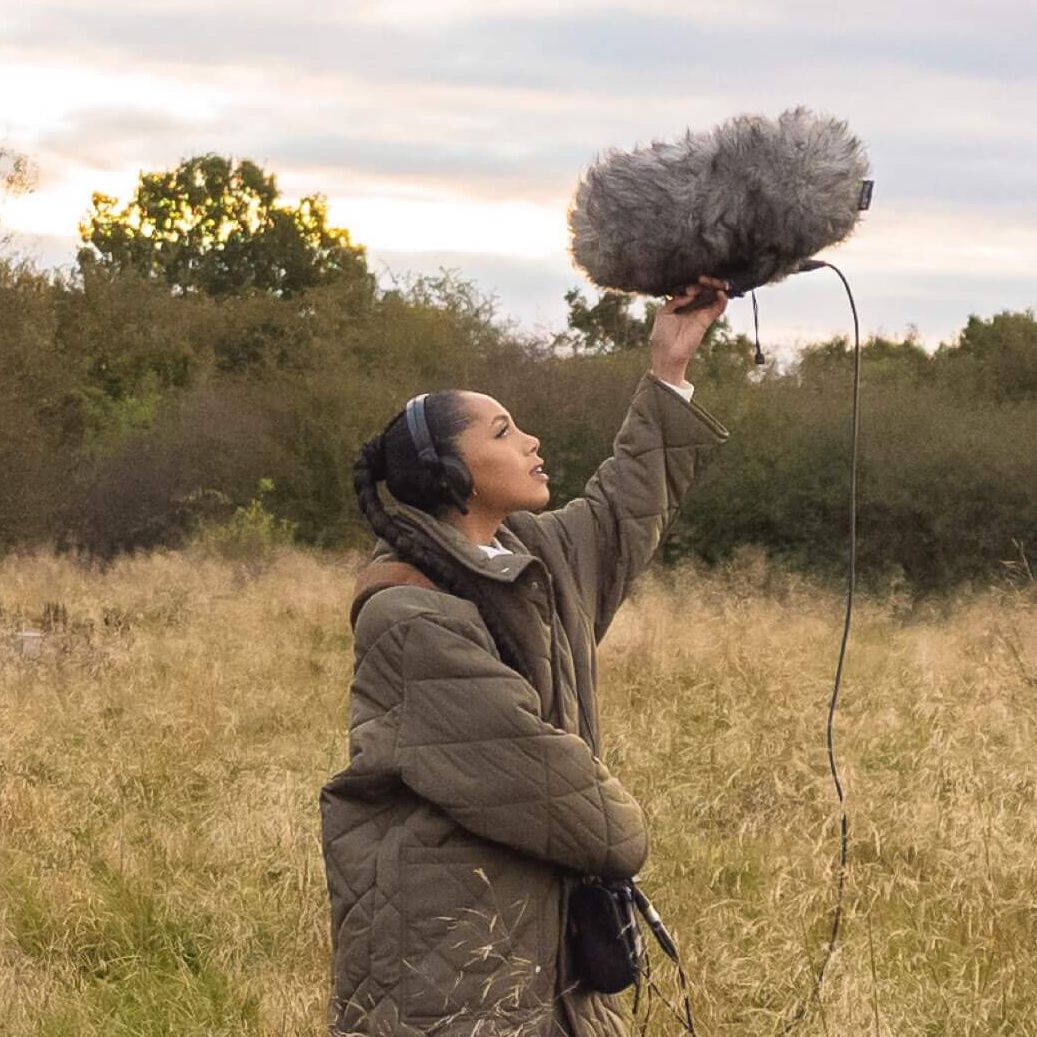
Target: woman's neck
<point>477,526</point>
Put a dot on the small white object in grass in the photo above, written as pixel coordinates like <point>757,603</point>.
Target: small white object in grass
<point>29,642</point>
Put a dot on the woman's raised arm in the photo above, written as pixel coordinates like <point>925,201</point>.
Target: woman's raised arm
<point>607,536</point>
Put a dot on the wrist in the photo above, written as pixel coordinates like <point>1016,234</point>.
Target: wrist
<point>675,374</point>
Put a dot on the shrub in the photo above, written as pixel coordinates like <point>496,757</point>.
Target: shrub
<point>251,533</point>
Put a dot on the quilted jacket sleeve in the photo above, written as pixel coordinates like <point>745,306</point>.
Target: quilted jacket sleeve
<point>610,533</point>
<point>471,741</point>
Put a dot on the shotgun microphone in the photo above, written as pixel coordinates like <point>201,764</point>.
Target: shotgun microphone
<point>749,202</point>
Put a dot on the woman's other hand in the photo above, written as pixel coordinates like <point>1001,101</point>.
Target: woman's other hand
<point>676,336</point>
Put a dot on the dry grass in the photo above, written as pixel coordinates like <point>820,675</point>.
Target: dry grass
<point>160,869</point>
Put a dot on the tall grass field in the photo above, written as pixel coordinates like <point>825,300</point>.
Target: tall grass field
<point>163,744</point>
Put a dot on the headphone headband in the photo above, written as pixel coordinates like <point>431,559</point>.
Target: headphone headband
<point>420,434</point>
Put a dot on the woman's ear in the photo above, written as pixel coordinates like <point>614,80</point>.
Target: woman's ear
<point>458,481</point>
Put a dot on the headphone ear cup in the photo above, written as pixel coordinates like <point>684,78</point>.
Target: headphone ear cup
<point>456,473</point>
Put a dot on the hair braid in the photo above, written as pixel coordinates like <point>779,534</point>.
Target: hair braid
<point>413,546</point>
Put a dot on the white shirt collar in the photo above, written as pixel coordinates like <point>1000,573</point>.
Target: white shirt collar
<point>493,549</point>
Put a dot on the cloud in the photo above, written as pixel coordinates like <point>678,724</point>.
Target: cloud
<point>515,229</point>
<point>114,138</point>
<point>491,170</point>
<point>355,95</point>
<point>537,44</point>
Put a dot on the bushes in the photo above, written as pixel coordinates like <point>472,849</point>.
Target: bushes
<point>222,436</point>
<point>35,392</point>
<point>250,534</point>
<point>946,478</point>
<point>123,406</point>
<point>948,487</point>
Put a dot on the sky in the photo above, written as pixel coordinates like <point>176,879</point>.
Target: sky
<point>453,134</point>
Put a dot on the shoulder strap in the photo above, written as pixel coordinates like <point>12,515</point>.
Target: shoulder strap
<point>378,576</point>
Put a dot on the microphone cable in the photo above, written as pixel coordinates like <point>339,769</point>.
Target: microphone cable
<point>736,291</point>
<point>685,1018</point>
<point>844,827</point>
<point>758,358</point>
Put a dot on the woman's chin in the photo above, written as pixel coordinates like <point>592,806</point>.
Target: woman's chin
<point>542,500</point>
<point>537,500</point>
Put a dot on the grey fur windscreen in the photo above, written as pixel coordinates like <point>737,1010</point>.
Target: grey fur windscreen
<point>747,201</point>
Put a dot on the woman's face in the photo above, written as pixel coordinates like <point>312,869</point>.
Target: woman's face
<point>506,466</point>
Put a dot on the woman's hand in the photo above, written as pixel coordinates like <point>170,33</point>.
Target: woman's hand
<point>676,336</point>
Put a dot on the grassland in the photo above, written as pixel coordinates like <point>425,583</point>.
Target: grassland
<point>160,761</point>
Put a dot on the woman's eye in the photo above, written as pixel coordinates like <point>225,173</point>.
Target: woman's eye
<point>504,428</point>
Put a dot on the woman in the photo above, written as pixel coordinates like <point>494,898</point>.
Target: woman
<point>473,797</point>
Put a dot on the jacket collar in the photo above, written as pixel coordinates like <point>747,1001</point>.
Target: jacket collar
<point>502,568</point>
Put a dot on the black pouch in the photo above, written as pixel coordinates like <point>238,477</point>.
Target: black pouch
<point>605,946</point>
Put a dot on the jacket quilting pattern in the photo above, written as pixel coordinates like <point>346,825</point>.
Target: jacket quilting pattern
<point>473,796</point>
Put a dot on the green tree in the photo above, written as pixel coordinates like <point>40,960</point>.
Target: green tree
<point>889,361</point>
<point>724,359</point>
<point>217,227</point>
<point>995,358</point>
<point>606,325</point>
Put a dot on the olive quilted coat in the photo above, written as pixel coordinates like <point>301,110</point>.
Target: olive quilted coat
<point>471,799</point>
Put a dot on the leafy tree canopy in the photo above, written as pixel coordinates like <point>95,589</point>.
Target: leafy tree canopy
<point>214,226</point>
<point>605,325</point>
<point>996,357</point>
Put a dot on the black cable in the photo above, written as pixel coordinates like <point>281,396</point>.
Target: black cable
<point>684,1018</point>
<point>648,996</point>
<point>758,358</point>
<point>669,947</point>
<point>844,826</point>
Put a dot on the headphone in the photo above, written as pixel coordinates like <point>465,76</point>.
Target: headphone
<point>453,472</point>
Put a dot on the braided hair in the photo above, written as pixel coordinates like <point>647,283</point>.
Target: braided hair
<point>392,457</point>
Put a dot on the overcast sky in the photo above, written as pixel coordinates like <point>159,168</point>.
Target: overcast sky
<point>452,133</point>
